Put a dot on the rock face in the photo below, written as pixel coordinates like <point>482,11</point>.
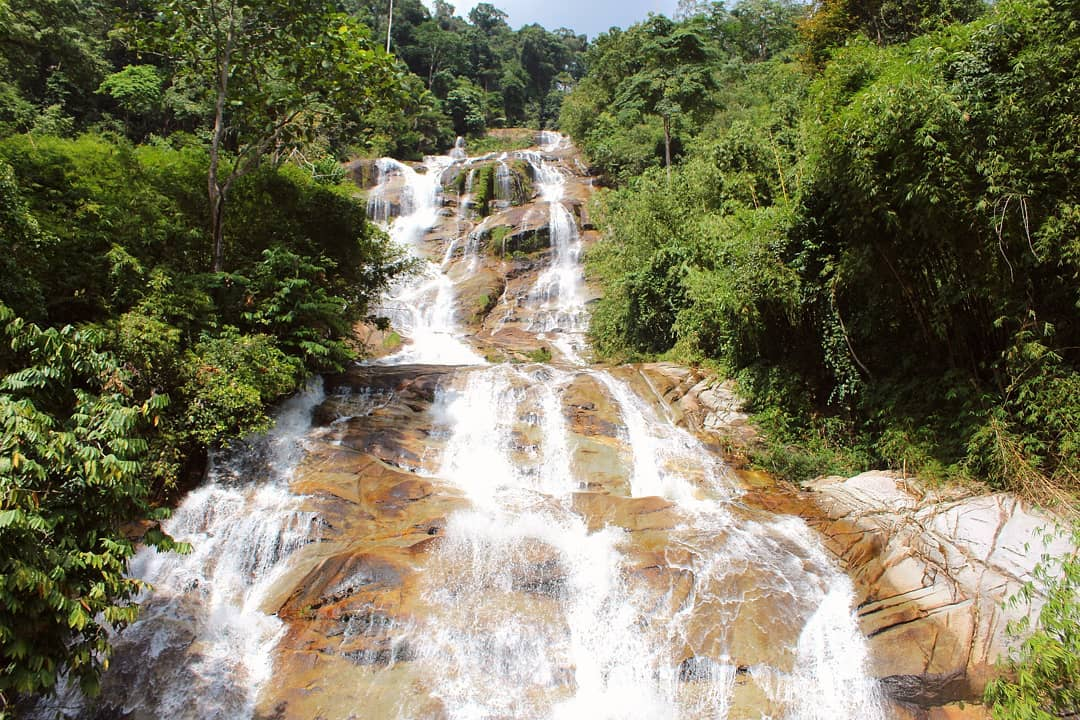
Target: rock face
<point>932,569</point>
<point>703,402</point>
<point>575,502</point>
<point>931,573</point>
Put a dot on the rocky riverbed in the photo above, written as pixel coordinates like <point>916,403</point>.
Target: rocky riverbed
<point>478,522</point>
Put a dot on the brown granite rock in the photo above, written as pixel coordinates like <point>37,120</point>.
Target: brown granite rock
<point>932,572</point>
<point>645,513</point>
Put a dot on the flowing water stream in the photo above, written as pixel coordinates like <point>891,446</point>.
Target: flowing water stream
<point>593,560</point>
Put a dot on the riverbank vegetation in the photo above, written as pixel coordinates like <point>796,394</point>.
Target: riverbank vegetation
<point>131,346</point>
<point>874,227</point>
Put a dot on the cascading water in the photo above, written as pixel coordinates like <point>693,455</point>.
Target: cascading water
<point>420,308</point>
<point>459,153</point>
<point>530,604</point>
<point>504,182</point>
<point>551,141</point>
<point>558,292</point>
<point>202,647</point>
<point>578,556</point>
<point>533,614</point>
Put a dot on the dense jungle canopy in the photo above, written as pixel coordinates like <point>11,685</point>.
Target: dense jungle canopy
<point>866,211</point>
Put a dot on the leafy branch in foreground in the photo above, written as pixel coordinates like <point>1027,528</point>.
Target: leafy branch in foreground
<point>1043,680</point>
<point>71,453</point>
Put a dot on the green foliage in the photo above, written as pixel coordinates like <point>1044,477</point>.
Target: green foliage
<point>896,236</point>
<point>754,30</point>
<point>52,59</point>
<point>136,89</point>
<point>287,300</point>
<point>410,129</point>
<point>22,242</point>
<point>539,355</point>
<point>674,76</point>
<point>307,266</point>
<point>391,342</point>
<point>272,92</point>
<point>500,141</point>
<point>483,187</point>
<point>832,22</point>
<point>230,379</point>
<point>498,238</point>
<point>71,460</point>
<point>1042,679</point>
<point>483,73</point>
<point>465,105</point>
<point>652,87</point>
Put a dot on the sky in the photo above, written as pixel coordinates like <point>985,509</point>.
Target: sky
<point>590,17</point>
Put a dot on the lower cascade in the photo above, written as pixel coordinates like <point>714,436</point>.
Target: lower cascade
<point>482,524</point>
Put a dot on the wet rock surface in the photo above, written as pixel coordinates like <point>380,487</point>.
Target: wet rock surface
<point>518,534</point>
<point>932,569</point>
<point>383,571</point>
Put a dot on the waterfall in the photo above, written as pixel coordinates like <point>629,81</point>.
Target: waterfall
<point>557,546</point>
<point>532,607</point>
<point>422,307</point>
<point>557,292</point>
<point>202,646</point>
<point>663,453</point>
<point>458,153</point>
<point>551,141</point>
<point>504,189</point>
<point>535,615</point>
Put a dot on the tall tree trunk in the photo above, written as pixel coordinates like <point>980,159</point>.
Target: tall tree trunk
<point>667,146</point>
<point>215,192</point>
<point>389,25</point>
<point>217,228</point>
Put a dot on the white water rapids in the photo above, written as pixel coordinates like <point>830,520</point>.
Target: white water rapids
<point>534,604</point>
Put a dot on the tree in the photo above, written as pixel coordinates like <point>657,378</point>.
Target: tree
<point>441,48</point>
<point>542,56</point>
<point>488,19</point>
<point>675,76</point>
<point>52,51</point>
<point>278,71</point>
<point>465,104</point>
<point>137,91</point>
<point>755,30</point>
<point>886,22</point>
<point>72,442</point>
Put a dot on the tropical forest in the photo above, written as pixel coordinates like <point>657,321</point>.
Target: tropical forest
<point>376,359</point>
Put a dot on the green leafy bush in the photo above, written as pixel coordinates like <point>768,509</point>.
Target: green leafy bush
<point>72,450</point>
<point>1042,679</point>
<point>229,381</point>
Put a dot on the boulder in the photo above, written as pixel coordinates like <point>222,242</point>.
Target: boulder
<point>932,572</point>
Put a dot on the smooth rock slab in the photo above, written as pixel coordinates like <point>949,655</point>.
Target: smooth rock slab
<point>931,574</point>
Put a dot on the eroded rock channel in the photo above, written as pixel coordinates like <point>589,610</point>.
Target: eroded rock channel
<point>482,524</point>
